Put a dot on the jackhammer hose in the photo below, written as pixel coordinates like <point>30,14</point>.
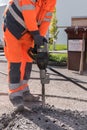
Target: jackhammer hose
<point>69,79</point>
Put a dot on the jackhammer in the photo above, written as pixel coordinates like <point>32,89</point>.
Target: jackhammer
<point>41,59</point>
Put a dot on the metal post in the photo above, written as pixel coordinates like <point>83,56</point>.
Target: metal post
<point>82,56</point>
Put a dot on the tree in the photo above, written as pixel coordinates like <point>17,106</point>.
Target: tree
<point>53,30</point>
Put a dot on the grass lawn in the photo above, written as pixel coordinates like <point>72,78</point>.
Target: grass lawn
<point>58,47</point>
<point>57,57</point>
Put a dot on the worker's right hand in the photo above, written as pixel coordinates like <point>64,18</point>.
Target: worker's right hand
<point>38,39</point>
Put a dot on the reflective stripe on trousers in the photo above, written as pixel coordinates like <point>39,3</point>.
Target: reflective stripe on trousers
<point>17,83</point>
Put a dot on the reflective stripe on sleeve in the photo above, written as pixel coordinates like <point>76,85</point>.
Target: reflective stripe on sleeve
<point>33,0</point>
<point>17,5</point>
<point>47,19</point>
<point>28,7</point>
<point>49,14</point>
<point>17,18</point>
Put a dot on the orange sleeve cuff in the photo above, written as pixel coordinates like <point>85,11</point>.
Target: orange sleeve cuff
<point>44,28</point>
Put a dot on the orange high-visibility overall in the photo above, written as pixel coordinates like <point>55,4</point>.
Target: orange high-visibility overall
<point>21,17</point>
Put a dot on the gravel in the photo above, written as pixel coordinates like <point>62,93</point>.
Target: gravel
<point>48,118</point>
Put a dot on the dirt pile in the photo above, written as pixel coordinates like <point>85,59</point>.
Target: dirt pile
<point>47,118</point>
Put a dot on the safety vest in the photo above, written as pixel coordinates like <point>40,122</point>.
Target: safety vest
<point>22,15</point>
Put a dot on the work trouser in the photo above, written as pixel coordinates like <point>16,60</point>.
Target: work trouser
<point>19,62</point>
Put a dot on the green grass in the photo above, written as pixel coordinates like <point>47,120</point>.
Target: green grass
<point>58,47</point>
<point>56,57</point>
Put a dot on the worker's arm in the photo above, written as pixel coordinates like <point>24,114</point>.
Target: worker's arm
<point>49,9</point>
<point>29,13</point>
<point>44,28</point>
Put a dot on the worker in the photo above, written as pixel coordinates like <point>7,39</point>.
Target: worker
<point>25,26</point>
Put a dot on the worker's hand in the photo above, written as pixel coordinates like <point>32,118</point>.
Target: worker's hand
<point>41,58</point>
<point>38,39</point>
<point>40,43</point>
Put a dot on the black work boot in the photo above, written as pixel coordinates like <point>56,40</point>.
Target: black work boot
<point>17,103</point>
<point>28,97</point>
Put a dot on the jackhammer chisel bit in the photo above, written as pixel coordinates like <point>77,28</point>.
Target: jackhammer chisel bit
<point>44,80</point>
